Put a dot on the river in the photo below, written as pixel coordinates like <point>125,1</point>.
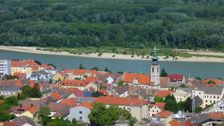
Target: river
<point>193,69</point>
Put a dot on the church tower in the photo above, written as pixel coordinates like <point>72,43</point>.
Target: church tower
<point>155,69</point>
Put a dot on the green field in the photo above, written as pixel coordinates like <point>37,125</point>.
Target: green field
<point>132,24</point>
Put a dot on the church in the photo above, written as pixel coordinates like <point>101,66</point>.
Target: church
<point>145,80</point>
<point>155,68</point>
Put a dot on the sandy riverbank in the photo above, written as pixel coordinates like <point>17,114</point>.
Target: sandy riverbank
<point>111,55</point>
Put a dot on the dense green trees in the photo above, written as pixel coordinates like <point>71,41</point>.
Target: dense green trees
<point>102,116</point>
<point>5,105</point>
<point>125,23</point>
<point>32,92</point>
<point>172,105</point>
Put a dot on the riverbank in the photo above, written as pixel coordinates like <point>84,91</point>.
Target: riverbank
<point>207,58</point>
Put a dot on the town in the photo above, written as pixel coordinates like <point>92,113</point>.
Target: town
<point>35,94</point>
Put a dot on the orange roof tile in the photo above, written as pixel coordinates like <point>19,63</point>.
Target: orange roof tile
<point>74,82</point>
<point>33,110</point>
<point>216,115</point>
<point>164,114</point>
<point>25,63</point>
<point>9,124</point>
<point>216,81</point>
<point>161,105</point>
<point>56,95</point>
<point>83,71</point>
<point>121,101</point>
<point>175,123</point>
<point>70,102</point>
<point>141,78</point>
<point>91,79</point>
<point>87,105</point>
<point>164,93</point>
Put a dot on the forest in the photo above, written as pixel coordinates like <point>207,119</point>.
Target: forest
<point>191,24</point>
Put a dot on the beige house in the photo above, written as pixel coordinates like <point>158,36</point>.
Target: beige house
<point>181,95</point>
<point>57,77</point>
<point>209,95</point>
<point>137,108</point>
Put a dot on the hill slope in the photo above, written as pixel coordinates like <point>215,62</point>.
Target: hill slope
<point>123,23</point>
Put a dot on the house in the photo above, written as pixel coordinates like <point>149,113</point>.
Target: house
<point>5,67</point>
<point>57,77</point>
<point>138,108</point>
<point>71,102</point>
<point>9,90</point>
<point>121,91</point>
<point>209,95</point>
<point>212,81</point>
<point>208,119</point>
<point>47,68</point>
<point>80,84</point>
<point>39,76</point>
<point>164,116</point>
<point>80,112</point>
<point>156,108</point>
<point>78,74</point>
<point>59,110</point>
<point>24,121</point>
<point>181,95</point>
<point>136,79</point>
<point>32,113</point>
<point>24,66</point>
<point>179,123</point>
<point>26,105</point>
<point>8,124</point>
<point>176,78</point>
<point>163,93</point>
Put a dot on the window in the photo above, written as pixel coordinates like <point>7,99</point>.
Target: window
<point>153,69</point>
<point>214,96</point>
<point>80,117</point>
<point>80,112</point>
<point>217,97</point>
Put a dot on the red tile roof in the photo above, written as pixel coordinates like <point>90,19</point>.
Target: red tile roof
<point>121,101</point>
<point>91,79</point>
<point>33,109</point>
<point>83,71</point>
<point>9,123</point>
<point>141,78</point>
<point>216,81</point>
<point>216,115</point>
<point>164,114</point>
<point>25,63</point>
<point>164,93</point>
<point>175,123</point>
<point>87,105</point>
<point>74,83</point>
<point>161,105</point>
<point>70,102</point>
<point>76,92</point>
<point>176,77</point>
<point>56,95</point>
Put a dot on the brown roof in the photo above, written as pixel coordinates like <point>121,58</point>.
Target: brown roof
<point>141,78</point>
<point>61,110</point>
<point>121,101</point>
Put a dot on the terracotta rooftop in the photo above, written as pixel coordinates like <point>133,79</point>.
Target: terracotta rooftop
<point>87,105</point>
<point>164,93</point>
<point>70,102</point>
<point>121,101</point>
<point>164,114</point>
<point>141,78</point>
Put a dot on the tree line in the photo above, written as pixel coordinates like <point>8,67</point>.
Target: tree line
<point>125,23</point>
